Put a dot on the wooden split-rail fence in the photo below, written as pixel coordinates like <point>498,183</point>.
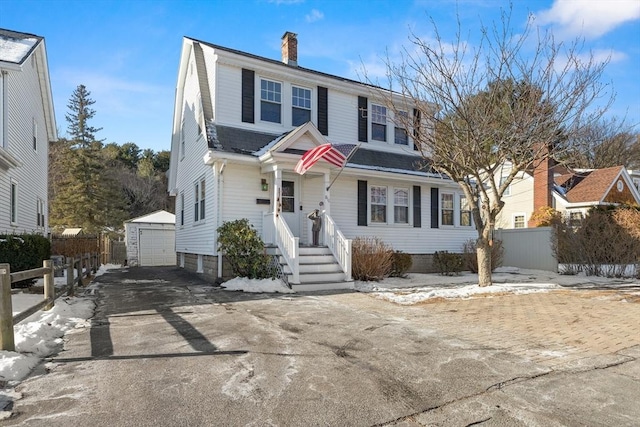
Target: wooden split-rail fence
<point>84,265</point>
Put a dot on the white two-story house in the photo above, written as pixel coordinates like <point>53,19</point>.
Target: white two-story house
<point>242,122</point>
<point>27,124</point>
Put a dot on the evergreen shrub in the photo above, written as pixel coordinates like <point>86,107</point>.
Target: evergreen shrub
<point>24,252</point>
<point>244,250</point>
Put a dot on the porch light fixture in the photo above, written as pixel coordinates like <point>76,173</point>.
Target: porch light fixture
<point>264,185</point>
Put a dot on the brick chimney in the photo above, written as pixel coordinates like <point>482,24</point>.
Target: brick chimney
<point>542,185</point>
<point>290,48</point>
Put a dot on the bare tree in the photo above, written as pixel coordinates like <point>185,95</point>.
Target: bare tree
<point>499,101</point>
<point>609,142</point>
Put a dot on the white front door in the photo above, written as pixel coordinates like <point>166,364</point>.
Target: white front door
<point>290,200</point>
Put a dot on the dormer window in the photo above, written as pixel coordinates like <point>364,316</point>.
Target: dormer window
<point>301,105</point>
<point>270,101</point>
<point>378,122</point>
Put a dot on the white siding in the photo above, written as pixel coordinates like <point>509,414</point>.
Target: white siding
<point>24,105</point>
<point>242,187</point>
<point>194,237</point>
<point>518,202</point>
<point>415,240</point>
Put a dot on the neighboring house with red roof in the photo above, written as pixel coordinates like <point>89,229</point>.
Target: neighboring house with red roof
<point>571,192</point>
<point>27,125</point>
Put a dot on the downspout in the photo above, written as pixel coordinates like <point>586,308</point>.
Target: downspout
<point>220,186</point>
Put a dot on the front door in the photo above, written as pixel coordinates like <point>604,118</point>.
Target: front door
<point>291,203</point>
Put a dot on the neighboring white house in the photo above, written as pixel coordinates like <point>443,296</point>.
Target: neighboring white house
<point>571,192</point>
<point>242,122</point>
<point>150,239</point>
<point>27,125</point>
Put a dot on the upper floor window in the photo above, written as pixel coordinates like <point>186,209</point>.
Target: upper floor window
<point>35,135</point>
<point>270,101</point>
<point>198,206</point>
<point>301,105</point>
<point>507,191</point>
<point>378,122</point>
<point>400,135</point>
<point>446,209</point>
<point>636,182</point>
<point>465,212</point>
<point>378,204</point>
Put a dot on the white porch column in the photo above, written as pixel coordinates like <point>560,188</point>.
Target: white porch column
<point>327,193</point>
<point>277,185</point>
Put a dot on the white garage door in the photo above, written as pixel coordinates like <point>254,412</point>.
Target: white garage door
<point>157,247</point>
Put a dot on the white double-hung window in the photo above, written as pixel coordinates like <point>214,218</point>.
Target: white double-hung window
<point>198,206</point>
<point>300,105</point>
<point>378,204</point>
<point>378,122</point>
<point>270,101</point>
<point>447,208</point>
<point>401,205</point>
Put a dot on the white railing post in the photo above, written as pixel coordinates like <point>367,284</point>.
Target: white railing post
<point>6,310</point>
<point>295,278</point>
<point>49,289</point>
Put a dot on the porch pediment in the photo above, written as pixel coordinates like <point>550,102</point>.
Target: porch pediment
<point>297,141</point>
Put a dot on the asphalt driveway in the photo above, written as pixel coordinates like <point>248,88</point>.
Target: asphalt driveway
<point>166,349</point>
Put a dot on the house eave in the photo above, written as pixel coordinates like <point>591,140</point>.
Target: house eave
<point>7,161</point>
<point>213,156</point>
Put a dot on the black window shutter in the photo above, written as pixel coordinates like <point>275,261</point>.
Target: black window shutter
<point>417,207</point>
<point>248,95</point>
<point>362,119</point>
<point>435,200</point>
<point>362,202</point>
<point>323,113</point>
<point>417,123</point>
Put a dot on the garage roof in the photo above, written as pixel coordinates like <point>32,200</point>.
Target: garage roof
<point>157,217</point>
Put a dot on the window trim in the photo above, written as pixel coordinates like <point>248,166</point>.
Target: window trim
<point>293,107</point>
<point>40,213</point>
<point>390,205</point>
<point>514,220</point>
<point>13,202</point>
<point>401,129</point>
<point>261,100</point>
<point>199,200</point>
<point>452,209</point>
<point>373,121</point>
<point>461,211</point>
<point>507,191</point>
<point>182,209</point>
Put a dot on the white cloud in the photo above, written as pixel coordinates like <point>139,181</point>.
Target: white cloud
<point>589,18</point>
<point>314,16</point>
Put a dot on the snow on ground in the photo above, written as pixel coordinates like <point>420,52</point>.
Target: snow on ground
<point>256,285</point>
<point>40,335</point>
<point>416,288</point>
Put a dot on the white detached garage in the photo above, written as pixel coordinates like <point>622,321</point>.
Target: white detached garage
<point>151,239</point>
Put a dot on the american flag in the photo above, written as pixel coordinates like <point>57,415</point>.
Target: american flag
<point>336,154</point>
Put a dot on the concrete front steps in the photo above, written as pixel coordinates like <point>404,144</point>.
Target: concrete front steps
<point>319,270</point>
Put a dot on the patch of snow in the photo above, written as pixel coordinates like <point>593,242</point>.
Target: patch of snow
<point>256,285</point>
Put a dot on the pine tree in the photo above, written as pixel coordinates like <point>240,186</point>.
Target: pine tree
<point>80,112</point>
<point>85,193</point>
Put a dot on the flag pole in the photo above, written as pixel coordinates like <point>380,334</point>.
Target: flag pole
<point>343,166</point>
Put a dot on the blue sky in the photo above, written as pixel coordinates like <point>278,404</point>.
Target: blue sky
<point>127,52</point>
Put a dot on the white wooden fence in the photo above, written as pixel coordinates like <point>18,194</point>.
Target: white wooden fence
<point>84,265</point>
<point>528,248</point>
